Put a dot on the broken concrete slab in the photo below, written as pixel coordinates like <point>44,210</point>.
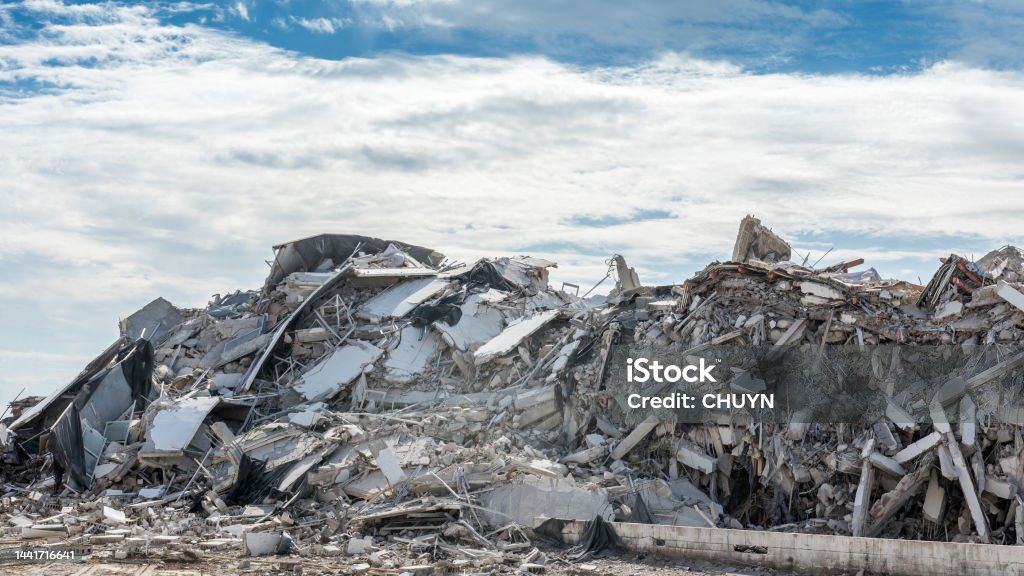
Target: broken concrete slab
<point>479,322</point>
<point>967,487</point>
<point>154,321</point>
<point>695,458</point>
<point>934,500</point>
<point>634,437</point>
<point>512,335</point>
<point>400,299</point>
<point>1010,294</point>
<point>918,448</point>
<point>754,240</point>
<point>537,498</point>
<point>338,369</point>
<point>416,348</point>
<point>174,427</point>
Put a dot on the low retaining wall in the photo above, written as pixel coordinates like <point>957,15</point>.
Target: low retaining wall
<point>815,553</point>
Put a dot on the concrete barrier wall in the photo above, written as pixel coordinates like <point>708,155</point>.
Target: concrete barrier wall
<point>816,553</point>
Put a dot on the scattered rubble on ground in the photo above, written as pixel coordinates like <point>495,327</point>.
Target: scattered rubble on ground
<point>380,406</point>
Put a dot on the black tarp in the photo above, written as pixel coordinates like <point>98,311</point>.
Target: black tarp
<point>66,443</point>
<point>137,362</point>
<point>306,255</point>
<point>639,513</point>
<point>551,530</point>
<point>253,482</point>
<point>487,274</point>
<point>447,309</point>
<point>598,536</point>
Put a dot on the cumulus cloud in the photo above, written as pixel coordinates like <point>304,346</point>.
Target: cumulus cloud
<point>165,160</point>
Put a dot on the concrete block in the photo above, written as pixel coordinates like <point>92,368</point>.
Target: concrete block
<point>635,437</point>
<point>918,448</point>
<point>934,500</point>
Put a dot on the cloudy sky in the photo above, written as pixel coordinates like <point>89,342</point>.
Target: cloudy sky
<point>162,148</point>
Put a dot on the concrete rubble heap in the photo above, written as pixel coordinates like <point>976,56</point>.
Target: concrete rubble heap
<point>377,402</point>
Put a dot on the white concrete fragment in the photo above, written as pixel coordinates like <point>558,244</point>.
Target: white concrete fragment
<point>1010,294</point>
<point>946,464</point>
<point>479,322</point>
<point>261,543</point>
<point>934,500</point>
<point>950,392</point>
<point>337,370</point>
<point>174,426</point>
<point>968,425</point>
<point>585,456</point>
<point>400,299</point>
<point>113,517</point>
<point>899,416</point>
<point>357,546</point>
<point>918,448</point>
<point>314,334</point>
<point>939,418</point>
<point>543,498</point>
<point>967,487</point>
<point>999,487</point>
<point>511,336</point>
<point>308,416</point>
<point>48,531</point>
<point>389,465</point>
<point>152,493</point>
<point>820,290</point>
<point>639,433</point>
<point>887,465</point>
<point>949,309</point>
<point>862,500</point>
<point>694,458</point>
<point>795,330</point>
<point>413,354</point>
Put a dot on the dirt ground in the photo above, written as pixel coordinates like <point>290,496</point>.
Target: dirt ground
<point>621,566</point>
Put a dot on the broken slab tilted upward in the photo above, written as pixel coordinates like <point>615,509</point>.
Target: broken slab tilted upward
<point>337,370</point>
<point>175,426</point>
<point>400,299</point>
<point>639,433</point>
<point>512,335</point>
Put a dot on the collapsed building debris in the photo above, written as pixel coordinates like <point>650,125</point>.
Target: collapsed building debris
<point>374,400</point>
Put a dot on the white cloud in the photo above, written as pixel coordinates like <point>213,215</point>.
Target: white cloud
<point>320,25</point>
<point>163,160</point>
<point>985,32</point>
<point>242,10</point>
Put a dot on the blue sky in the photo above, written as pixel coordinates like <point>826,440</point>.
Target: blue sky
<point>160,149</point>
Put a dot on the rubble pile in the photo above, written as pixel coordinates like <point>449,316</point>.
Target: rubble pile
<point>378,402</point>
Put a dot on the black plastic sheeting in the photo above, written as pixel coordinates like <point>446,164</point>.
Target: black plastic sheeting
<point>487,274</point>
<point>447,309</point>
<point>66,444</point>
<point>639,512</point>
<point>598,536</point>
<point>306,254</point>
<point>136,363</point>
<point>551,530</point>
<point>253,482</point>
